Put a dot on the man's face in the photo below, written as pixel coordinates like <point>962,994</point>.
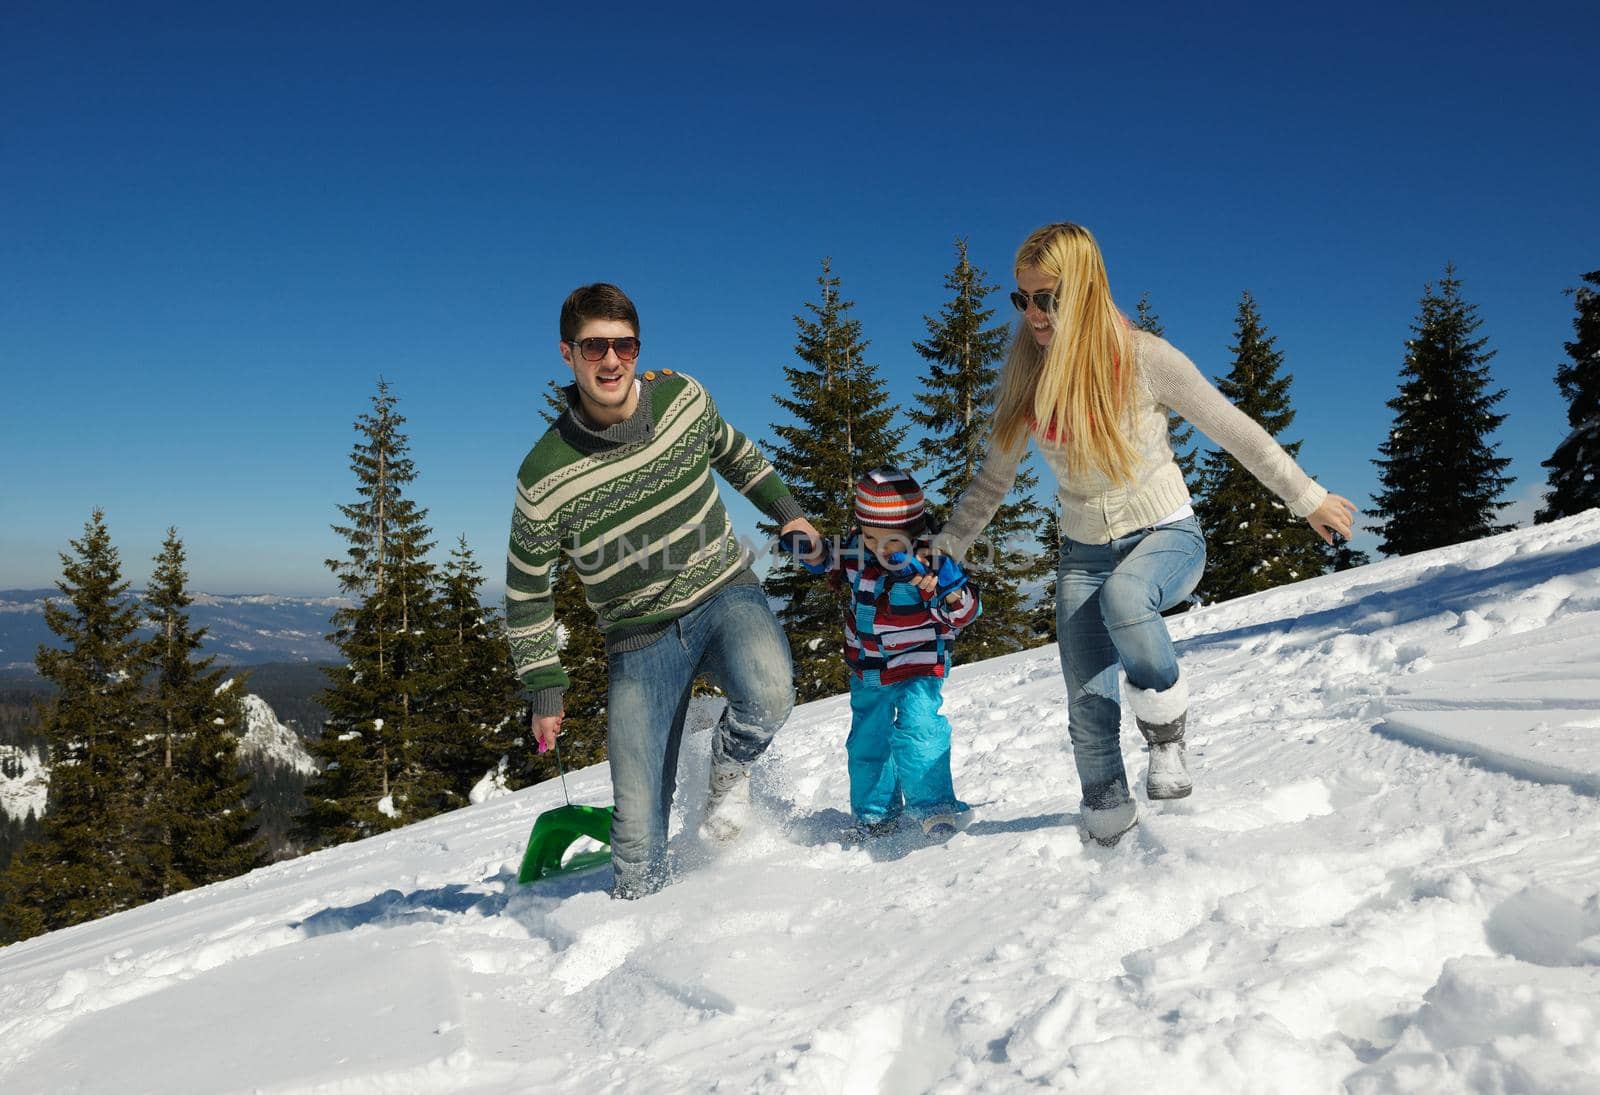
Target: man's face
<point>605,387</point>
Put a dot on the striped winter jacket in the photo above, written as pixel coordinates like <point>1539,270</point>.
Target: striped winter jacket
<point>890,633</point>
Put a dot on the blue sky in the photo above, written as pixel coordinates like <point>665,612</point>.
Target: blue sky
<point>221,223</point>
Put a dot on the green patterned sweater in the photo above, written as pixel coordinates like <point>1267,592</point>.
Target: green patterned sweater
<point>636,510</point>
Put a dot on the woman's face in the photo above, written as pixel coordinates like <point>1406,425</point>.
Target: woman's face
<point>1043,324</point>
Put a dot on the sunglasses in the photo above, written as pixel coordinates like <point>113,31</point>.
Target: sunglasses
<point>594,349</point>
<point>1042,299</point>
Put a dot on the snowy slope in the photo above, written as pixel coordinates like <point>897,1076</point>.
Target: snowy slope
<point>1336,908</point>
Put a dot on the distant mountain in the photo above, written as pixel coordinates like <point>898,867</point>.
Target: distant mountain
<point>266,741</point>
<point>274,755</point>
<point>242,629</point>
<point>24,783</point>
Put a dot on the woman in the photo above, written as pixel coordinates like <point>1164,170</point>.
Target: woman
<point>1093,393</point>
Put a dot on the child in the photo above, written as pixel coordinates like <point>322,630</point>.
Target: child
<point>899,628</point>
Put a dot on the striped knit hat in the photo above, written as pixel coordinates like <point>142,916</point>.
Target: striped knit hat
<point>889,498</point>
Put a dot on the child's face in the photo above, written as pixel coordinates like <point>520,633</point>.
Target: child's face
<point>884,542</point>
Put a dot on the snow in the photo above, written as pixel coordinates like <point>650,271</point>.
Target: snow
<point>29,789</point>
<point>492,785</point>
<point>269,739</point>
<point>1387,880</point>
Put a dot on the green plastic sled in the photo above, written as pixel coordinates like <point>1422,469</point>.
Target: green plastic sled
<point>554,831</point>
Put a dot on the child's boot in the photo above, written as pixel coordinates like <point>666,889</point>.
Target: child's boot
<point>862,831</point>
<point>946,822</point>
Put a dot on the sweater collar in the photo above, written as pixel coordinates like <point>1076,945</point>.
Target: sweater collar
<point>637,427</point>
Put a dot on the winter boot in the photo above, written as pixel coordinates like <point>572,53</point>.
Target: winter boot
<point>1169,771</point>
<point>1161,717</point>
<point>1108,811</point>
<point>863,831</point>
<point>945,824</point>
<point>728,809</point>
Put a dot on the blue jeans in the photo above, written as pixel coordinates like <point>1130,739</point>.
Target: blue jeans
<point>1109,600</point>
<point>899,750</point>
<point>734,639</point>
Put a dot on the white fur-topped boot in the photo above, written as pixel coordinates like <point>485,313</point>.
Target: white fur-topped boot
<point>1161,717</point>
<point>1109,811</point>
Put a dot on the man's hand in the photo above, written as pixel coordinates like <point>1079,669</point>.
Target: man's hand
<point>545,729</point>
<point>815,560</point>
<point>1335,515</point>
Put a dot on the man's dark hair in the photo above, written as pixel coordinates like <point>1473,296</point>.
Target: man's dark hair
<point>602,300</point>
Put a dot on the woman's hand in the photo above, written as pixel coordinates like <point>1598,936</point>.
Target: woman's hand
<point>1336,514</point>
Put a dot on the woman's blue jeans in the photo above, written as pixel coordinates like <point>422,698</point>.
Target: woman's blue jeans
<point>734,639</point>
<point>1109,600</point>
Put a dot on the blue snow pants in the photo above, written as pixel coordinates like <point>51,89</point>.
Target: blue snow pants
<point>899,750</point>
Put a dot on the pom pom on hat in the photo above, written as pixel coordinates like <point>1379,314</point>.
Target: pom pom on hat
<point>889,498</point>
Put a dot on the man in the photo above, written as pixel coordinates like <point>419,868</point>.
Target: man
<point>621,484</point>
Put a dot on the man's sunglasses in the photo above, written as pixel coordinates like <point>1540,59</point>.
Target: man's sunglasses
<point>1043,299</point>
<point>594,349</point>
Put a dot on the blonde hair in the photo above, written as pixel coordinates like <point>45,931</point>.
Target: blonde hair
<point>1080,387</point>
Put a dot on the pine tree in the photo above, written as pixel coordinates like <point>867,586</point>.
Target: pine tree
<point>1442,480</point>
<point>372,774</point>
<point>1575,465</point>
<point>955,409</point>
<point>477,708</point>
<point>197,825</point>
<point>14,834</point>
<point>1180,435</point>
<point>841,429</point>
<point>1347,558</point>
<point>583,656</point>
<point>87,862</point>
<point>1252,539</point>
<point>1044,609</point>
<point>962,354</point>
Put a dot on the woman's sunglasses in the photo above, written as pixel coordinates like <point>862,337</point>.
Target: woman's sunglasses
<point>594,349</point>
<point>1042,299</point>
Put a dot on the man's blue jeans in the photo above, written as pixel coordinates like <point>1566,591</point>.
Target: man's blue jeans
<point>734,639</point>
<point>1109,600</point>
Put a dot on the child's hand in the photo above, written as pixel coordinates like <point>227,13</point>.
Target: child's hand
<point>903,564</point>
<point>950,576</point>
<point>912,569</point>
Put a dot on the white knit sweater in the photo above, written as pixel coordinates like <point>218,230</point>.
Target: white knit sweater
<point>1095,511</point>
